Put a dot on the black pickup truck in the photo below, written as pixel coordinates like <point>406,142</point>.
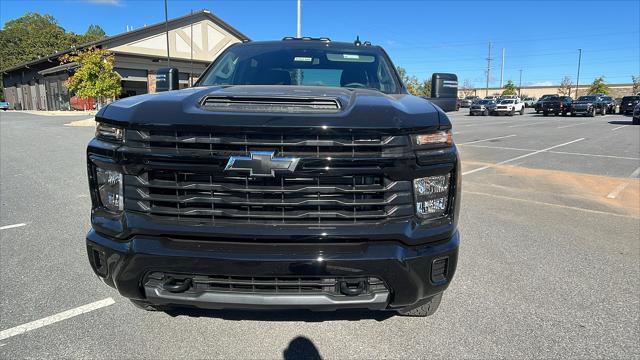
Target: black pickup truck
<point>540,102</point>
<point>589,105</point>
<point>557,105</point>
<point>294,174</point>
<point>628,103</point>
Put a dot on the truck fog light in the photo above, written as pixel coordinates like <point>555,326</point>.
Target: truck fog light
<point>110,189</point>
<point>431,195</point>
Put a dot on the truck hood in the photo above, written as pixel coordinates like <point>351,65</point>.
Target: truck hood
<point>359,109</point>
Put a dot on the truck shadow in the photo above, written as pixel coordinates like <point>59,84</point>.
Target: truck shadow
<point>301,348</point>
<point>282,315</point>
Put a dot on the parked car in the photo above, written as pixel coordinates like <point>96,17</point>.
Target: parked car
<point>78,103</point>
<point>636,115</point>
<point>248,220</point>
<point>588,105</point>
<point>482,107</point>
<point>510,107</point>
<point>628,103</point>
<point>458,102</point>
<point>557,105</point>
<point>4,106</point>
<point>529,101</point>
<point>538,104</point>
<point>609,104</point>
<point>468,101</point>
<point>493,98</point>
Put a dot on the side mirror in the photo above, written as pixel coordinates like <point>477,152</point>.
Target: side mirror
<point>167,79</point>
<point>444,91</point>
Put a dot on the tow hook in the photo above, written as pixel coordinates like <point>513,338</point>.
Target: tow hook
<point>353,287</point>
<point>176,286</point>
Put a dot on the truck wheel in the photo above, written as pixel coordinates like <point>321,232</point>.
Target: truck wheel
<point>592,113</point>
<point>486,113</point>
<point>512,113</point>
<point>426,309</point>
<point>603,112</point>
<point>573,114</point>
<point>544,113</point>
<point>522,111</point>
<point>537,111</point>
<point>564,113</point>
<point>144,305</point>
<point>635,121</point>
<point>471,113</point>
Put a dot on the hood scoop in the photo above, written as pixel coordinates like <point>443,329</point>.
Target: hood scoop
<point>270,104</point>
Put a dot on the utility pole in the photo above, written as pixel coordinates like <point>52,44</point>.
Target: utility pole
<point>166,29</point>
<point>502,70</point>
<point>578,78</point>
<point>520,86</point>
<point>486,93</point>
<point>299,27</point>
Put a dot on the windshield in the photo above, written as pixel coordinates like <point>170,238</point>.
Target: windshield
<point>300,66</point>
<point>485,102</point>
<point>587,98</point>
<point>630,98</point>
<point>507,101</point>
<point>470,98</point>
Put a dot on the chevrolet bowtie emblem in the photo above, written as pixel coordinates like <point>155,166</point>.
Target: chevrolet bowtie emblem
<point>261,163</point>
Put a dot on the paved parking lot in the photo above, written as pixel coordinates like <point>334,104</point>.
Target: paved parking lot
<point>549,263</point>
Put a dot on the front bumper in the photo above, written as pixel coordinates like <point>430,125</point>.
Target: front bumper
<point>405,270</point>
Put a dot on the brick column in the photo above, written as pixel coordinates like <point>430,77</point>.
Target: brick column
<point>151,81</point>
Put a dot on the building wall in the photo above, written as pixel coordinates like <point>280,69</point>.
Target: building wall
<point>616,91</point>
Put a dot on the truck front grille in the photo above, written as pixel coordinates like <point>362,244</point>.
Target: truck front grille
<point>301,200</point>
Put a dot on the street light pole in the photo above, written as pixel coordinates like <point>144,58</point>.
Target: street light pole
<point>578,78</point>
<point>166,29</point>
<point>520,86</point>
<point>299,24</point>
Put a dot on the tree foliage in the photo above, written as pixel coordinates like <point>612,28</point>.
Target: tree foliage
<point>565,86</point>
<point>510,89</point>
<point>413,85</point>
<point>93,33</point>
<point>636,84</point>
<point>598,86</point>
<point>95,76</point>
<point>467,88</point>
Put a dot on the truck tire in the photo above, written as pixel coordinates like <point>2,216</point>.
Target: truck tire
<point>592,113</point>
<point>603,112</point>
<point>564,113</point>
<point>471,113</point>
<point>144,305</point>
<point>513,112</point>
<point>635,121</point>
<point>544,113</point>
<point>485,113</point>
<point>522,111</point>
<point>427,309</point>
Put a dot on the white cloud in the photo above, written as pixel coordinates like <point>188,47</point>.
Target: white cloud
<point>105,2</point>
<point>542,83</point>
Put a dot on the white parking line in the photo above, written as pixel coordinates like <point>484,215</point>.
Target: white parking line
<point>527,124</point>
<point>556,152</point>
<point>21,329</point>
<point>614,194</point>
<point>619,127</point>
<point>519,157</point>
<point>495,138</point>
<point>12,226</point>
<point>568,126</point>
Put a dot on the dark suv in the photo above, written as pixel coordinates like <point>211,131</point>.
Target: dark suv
<point>628,103</point>
<point>294,174</point>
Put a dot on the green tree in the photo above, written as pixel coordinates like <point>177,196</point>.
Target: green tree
<point>95,76</point>
<point>636,84</point>
<point>598,86</point>
<point>413,85</point>
<point>510,89</point>
<point>93,33</point>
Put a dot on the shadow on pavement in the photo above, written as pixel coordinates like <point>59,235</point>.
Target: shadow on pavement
<point>283,315</point>
<point>621,122</point>
<point>301,348</point>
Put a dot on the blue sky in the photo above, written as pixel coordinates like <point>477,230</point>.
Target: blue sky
<point>540,37</point>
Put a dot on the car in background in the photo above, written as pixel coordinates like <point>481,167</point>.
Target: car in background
<point>509,107</point>
<point>482,107</point>
<point>538,104</point>
<point>636,115</point>
<point>458,101</point>
<point>628,103</point>
<point>588,105</point>
<point>609,104</point>
<point>468,101</point>
<point>529,101</point>
<point>491,97</point>
<point>4,106</point>
<point>557,105</point>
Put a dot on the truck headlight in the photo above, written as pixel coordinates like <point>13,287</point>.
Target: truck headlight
<point>436,138</point>
<point>109,132</point>
<point>109,184</point>
<point>431,196</point>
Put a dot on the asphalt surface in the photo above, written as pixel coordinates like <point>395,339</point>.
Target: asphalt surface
<point>549,261</point>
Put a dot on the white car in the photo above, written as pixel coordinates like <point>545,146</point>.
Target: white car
<point>509,106</point>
